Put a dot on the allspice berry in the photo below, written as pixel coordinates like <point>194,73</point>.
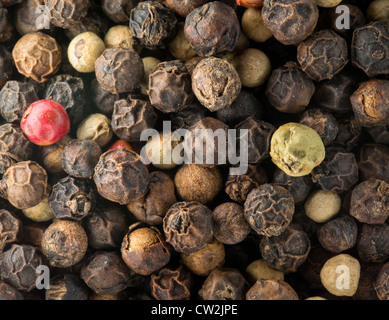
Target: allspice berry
<point>198,183</point>
<point>322,205</point>
<point>340,275</point>
<point>37,56</point>
<point>271,290</point>
<point>64,243</point>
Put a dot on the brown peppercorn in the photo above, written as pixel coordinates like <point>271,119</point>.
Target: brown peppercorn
<point>8,292</point>
<point>203,261</point>
<point>350,134</point>
<point>18,266</point>
<point>79,158</point>
<point>381,284</point>
<point>66,286</point>
<point>322,55</point>
<point>24,184</point>
<point>14,146</point>
<point>322,122</point>
<point>215,83</point>
<point>50,156</point>
<point>120,176</point>
<point>269,209</point>
<point>230,225</point>
<point>64,13</point>
<point>184,7</point>
<point>373,242</point>
<point>10,228</point>
<point>131,117</point>
<point>288,89</point>
<point>224,284</point>
<point>212,29</point>
<point>188,116</point>
<point>280,15</point>
<point>271,290</point>
<point>118,10</point>
<point>197,183</point>
<point>64,243</point>
<point>370,103</point>
<point>102,99</point>
<point>258,138</point>
<point>72,198</point>
<point>339,234</point>
<point>170,87</point>
<point>370,201</point>
<point>152,207</point>
<point>6,65</point>
<point>144,249</point>
<point>172,284</point>
<point>338,172</point>
<point>105,273</point>
<point>152,24</point>
<point>6,26</point>
<point>37,56</point>
<point>188,226</point>
<point>373,162</point>
<point>239,186</point>
<point>369,48</point>
<point>369,272</point>
<point>379,134</point>
<point>119,70</point>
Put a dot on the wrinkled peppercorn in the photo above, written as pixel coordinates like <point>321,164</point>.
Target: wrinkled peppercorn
<point>118,10</point>
<point>187,117</point>
<point>11,228</point>
<point>188,226</point>
<point>269,209</point>
<point>271,290</point>
<point>372,243</point>
<point>381,284</point>
<point>50,156</point>
<point>350,134</point>
<point>6,26</point>
<point>8,292</point>
<point>63,13</point>
<point>379,134</point>
<point>172,284</point>
<point>373,162</point>
<point>103,100</point>
<point>66,287</point>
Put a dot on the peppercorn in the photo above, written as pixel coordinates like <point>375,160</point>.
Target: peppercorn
<point>372,243</point>
<point>322,205</point>
<point>14,146</point>
<point>287,251</point>
<point>118,10</point>
<point>350,134</point>
<point>11,228</point>
<point>215,83</point>
<point>66,287</point>
<point>6,26</point>
<point>131,117</point>
<point>203,261</point>
<point>95,127</point>
<point>369,201</point>
<point>18,266</point>
<point>269,209</point>
<point>144,249</point>
<point>69,92</point>
<point>121,36</point>
<point>188,226</point>
<point>64,14</point>
<point>169,87</point>
<point>64,243</point>
<point>102,99</point>
<point>373,162</point>
<point>369,103</point>
<point>180,47</point>
<point>253,26</point>
<point>184,7</point>
<point>197,183</point>
<point>41,212</point>
<point>152,207</point>
<point>212,29</point>
<point>6,65</point>
<point>378,11</point>
<point>271,290</point>
<point>280,15</point>
<point>224,284</point>
<point>381,283</point>
<point>332,279</point>
<point>152,24</point>
<point>365,291</point>
<point>79,158</point>
<point>187,117</point>
<point>119,70</point>
<point>172,284</point>
<point>338,172</point>
<point>369,48</point>
<point>50,156</point>
<point>379,134</point>
<point>84,50</point>
<point>24,184</point>
<point>258,269</point>
<point>250,3</point>
<point>8,292</point>
<point>258,138</point>
<point>26,17</point>
<point>106,273</point>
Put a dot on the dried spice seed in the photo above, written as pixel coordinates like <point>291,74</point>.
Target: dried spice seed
<point>66,287</point>
<point>8,292</point>
<point>271,290</point>
<point>372,243</point>
<point>6,65</point>
<point>63,13</point>
<point>184,7</point>
<point>96,127</point>
<point>373,162</point>
<point>118,10</point>
<point>381,285</point>
<point>10,227</point>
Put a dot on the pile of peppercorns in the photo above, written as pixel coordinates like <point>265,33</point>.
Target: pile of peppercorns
<point>81,80</point>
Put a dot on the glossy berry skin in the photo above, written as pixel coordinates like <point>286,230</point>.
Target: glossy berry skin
<point>257,4</point>
<point>45,122</point>
<point>121,144</point>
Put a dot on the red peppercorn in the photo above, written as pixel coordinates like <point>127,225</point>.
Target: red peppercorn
<point>257,4</point>
<point>45,122</point>
<point>121,144</point>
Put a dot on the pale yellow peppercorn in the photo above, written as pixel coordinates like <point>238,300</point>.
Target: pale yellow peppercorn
<point>149,66</point>
<point>322,205</point>
<point>378,10</point>
<point>328,3</point>
<point>180,47</point>
<point>121,36</point>
<point>258,269</point>
<point>96,127</point>
<point>41,212</point>
<point>253,27</point>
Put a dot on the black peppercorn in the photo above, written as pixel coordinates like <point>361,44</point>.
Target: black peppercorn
<point>185,118</point>
<point>6,26</point>
<point>212,29</point>
<point>11,228</point>
<point>373,242</point>
<point>66,287</point>
<point>6,65</point>
<point>380,134</point>
<point>8,292</point>
<point>118,10</point>
<point>269,209</point>
<point>102,99</point>
<point>64,13</point>
<point>152,24</point>
<point>184,7</point>
<point>369,272</point>
<point>350,134</point>
<point>188,226</point>
<point>369,48</point>
<point>373,162</point>
<point>381,284</point>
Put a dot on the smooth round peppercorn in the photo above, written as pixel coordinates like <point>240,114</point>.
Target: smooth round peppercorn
<point>180,47</point>
<point>64,243</point>
<point>120,36</point>
<point>381,285</point>
<point>253,26</point>
<point>66,287</point>
<point>372,243</point>
<point>250,3</point>
<point>269,209</point>
<point>160,150</point>
<point>280,15</point>
<point>271,290</point>
<point>215,83</point>
<point>378,10</point>
<point>84,50</point>
<point>258,269</point>
<point>328,3</point>
<point>96,127</point>
<point>37,56</point>
<point>144,249</point>
<point>322,205</point>
<point>41,212</point>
